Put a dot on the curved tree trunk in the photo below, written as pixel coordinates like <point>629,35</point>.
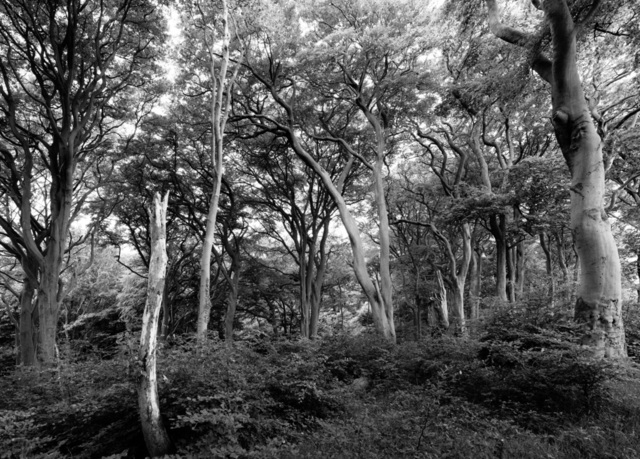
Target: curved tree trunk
<point>155,434</point>
<point>599,295</point>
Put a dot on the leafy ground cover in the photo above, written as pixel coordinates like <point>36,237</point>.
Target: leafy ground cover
<point>521,388</point>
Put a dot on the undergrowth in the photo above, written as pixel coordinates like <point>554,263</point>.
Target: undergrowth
<point>523,389</point>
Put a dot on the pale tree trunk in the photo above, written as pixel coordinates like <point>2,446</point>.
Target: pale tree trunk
<point>599,293</point>
<point>165,325</point>
<point>440,306</point>
<point>220,106</point>
<point>379,299</point>
<point>475,284</point>
<point>155,435</point>
<point>457,275</point>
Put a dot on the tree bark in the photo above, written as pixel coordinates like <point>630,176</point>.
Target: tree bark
<point>27,332</point>
<point>599,295</point>
<point>475,284</point>
<point>498,230</point>
<point>220,106</point>
<point>440,306</point>
<point>155,435</point>
<point>549,268</point>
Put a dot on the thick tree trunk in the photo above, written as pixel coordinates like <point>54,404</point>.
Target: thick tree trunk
<point>599,293</point>
<point>457,310</point>
<point>28,336</point>
<point>155,434</point>
<point>599,296</point>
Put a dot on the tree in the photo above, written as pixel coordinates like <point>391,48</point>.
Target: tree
<point>221,81</point>
<point>598,306</point>
<point>66,71</point>
<point>290,197</point>
<point>155,434</point>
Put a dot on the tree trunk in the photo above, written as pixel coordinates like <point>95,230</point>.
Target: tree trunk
<point>165,325</point>
<point>229,316</point>
<point>220,105</point>
<point>599,296</point>
<point>155,434</point>
<point>457,309</point>
<point>475,285</point>
<point>441,307</point>
<point>521,268</point>
<point>27,332</point>
<point>304,271</point>
<point>498,230</point>
<point>549,268</point>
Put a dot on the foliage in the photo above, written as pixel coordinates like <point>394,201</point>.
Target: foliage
<point>523,390</point>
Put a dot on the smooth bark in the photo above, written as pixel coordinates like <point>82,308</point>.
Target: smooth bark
<point>599,292</point>
<point>221,94</point>
<point>441,306</point>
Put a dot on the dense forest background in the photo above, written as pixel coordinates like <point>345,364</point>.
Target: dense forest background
<point>393,228</point>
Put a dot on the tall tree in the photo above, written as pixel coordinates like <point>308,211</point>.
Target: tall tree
<point>221,80</point>
<point>66,70</point>
<point>155,434</point>
<point>598,305</point>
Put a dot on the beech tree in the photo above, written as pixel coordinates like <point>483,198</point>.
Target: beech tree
<point>599,297</point>
<point>66,68</point>
<point>290,197</point>
<point>219,84</point>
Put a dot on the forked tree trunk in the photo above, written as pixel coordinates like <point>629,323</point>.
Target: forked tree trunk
<point>155,435</point>
<point>220,106</point>
<point>599,295</point>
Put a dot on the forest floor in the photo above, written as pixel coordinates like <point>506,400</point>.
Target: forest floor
<point>519,388</point>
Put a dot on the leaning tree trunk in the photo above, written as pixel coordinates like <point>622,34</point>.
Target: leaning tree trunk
<point>155,434</point>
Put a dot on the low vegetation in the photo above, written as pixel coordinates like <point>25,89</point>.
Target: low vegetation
<point>519,388</point>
